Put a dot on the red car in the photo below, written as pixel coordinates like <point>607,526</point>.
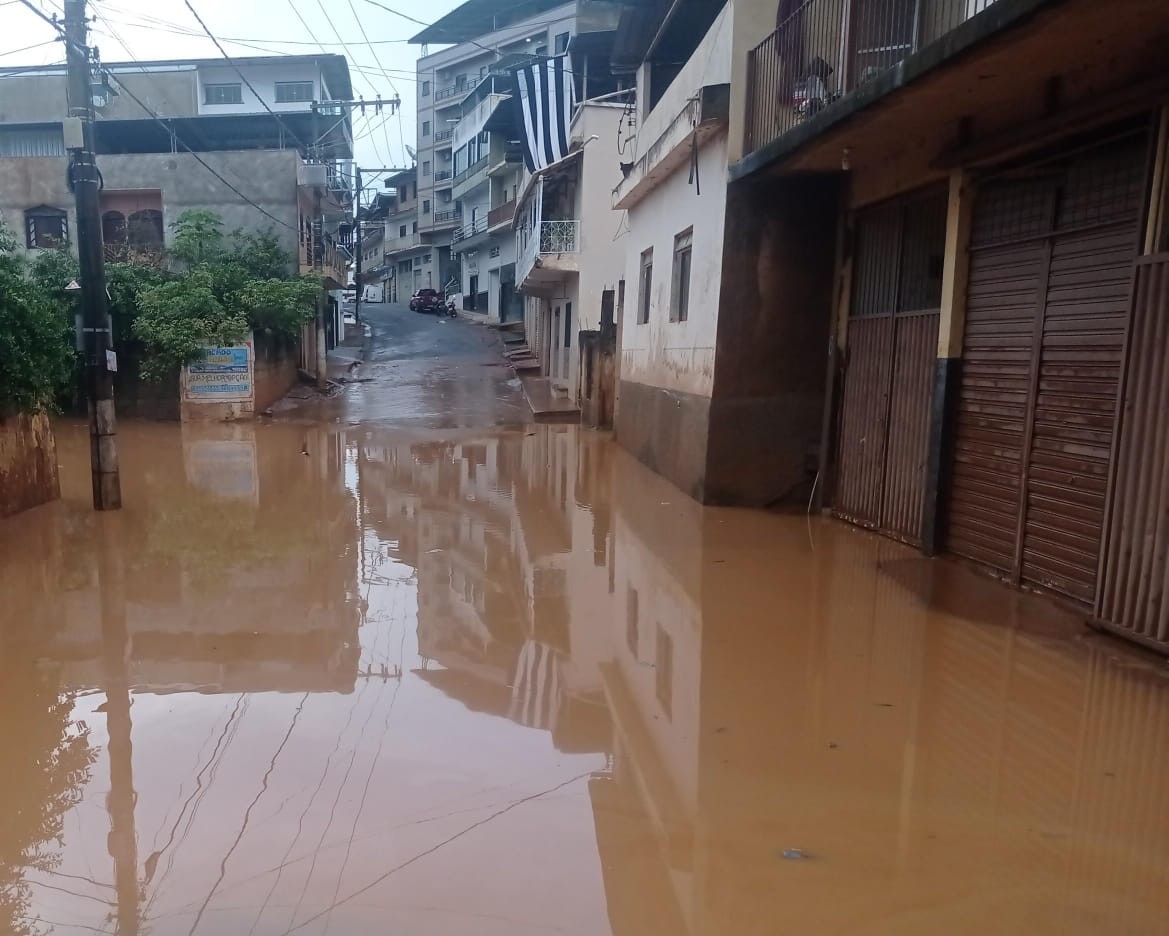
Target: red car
<point>427,300</point>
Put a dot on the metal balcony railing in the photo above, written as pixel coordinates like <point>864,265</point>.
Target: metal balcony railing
<point>824,49</point>
<point>559,237</point>
<point>441,136</point>
<point>442,175</point>
<point>451,214</point>
<point>470,229</point>
<point>455,90</point>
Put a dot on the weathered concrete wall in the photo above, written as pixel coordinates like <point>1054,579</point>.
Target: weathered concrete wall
<point>276,369</point>
<point>676,356</point>
<point>28,463</point>
<point>41,98</point>
<point>773,333</point>
<point>667,431</point>
<point>267,177</point>
<point>598,376</point>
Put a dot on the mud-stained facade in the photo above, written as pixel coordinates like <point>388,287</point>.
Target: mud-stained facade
<point>28,462</point>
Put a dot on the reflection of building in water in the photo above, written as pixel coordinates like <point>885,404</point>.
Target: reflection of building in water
<point>244,579</point>
<point>514,571</point>
<point>830,735</point>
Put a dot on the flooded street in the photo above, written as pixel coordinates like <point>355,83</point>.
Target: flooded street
<point>402,662</point>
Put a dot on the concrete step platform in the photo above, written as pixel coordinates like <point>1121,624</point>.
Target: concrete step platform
<point>546,404</point>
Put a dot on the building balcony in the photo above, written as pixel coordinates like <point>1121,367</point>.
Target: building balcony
<point>454,94</point>
<point>447,216</point>
<point>547,250</point>
<point>470,229</point>
<point>502,214</point>
<point>324,258</point>
<point>471,177</point>
<point>828,51</point>
<point>443,136</point>
<point>442,178</point>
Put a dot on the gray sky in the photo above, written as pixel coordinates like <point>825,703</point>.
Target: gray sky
<point>159,29</point>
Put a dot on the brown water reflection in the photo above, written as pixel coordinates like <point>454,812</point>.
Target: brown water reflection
<point>515,684</point>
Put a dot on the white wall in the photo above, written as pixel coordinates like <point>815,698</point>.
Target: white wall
<point>602,259</point>
<point>679,355</point>
<point>676,355</point>
<point>263,78</point>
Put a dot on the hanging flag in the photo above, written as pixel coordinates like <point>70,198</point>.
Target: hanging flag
<point>544,95</point>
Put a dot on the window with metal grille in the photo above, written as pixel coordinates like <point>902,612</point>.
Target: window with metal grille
<point>293,92</point>
<point>45,227</point>
<point>401,230</point>
<point>645,285</point>
<point>680,281</point>
<point>426,206</point>
<point>223,94</point>
<point>426,128</point>
<point>426,167</point>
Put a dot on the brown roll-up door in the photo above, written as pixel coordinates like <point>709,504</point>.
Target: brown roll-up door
<point>1047,307</point>
<point>891,347</point>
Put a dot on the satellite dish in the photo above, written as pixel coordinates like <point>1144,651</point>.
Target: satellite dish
<point>413,153</point>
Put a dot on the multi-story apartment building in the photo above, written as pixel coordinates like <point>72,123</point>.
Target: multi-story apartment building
<point>413,260</point>
<point>470,167</point>
<point>190,133</point>
<point>959,208</point>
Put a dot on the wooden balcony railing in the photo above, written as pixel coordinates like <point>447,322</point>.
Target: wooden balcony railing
<point>502,214</point>
<point>824,49</point>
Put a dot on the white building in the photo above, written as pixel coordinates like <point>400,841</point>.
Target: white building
<point>470,168</point>
<point>570,246</point>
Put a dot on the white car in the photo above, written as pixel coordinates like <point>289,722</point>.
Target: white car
<point>349,317</point>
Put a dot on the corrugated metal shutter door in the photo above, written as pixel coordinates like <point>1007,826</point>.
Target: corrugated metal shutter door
<point>1051,267</point>
<point>892,344</point>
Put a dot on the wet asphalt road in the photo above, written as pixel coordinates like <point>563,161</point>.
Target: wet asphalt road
<point>400,662</point>
<point>425,373</point>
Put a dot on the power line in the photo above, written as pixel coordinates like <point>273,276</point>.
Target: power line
<point>28,48</point>
<point>378,62</point>
<point>244,77</point>
<point>175,137</point>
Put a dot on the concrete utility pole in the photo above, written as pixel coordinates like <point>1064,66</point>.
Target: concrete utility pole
<point>86,182</point>
<point>357,240</point>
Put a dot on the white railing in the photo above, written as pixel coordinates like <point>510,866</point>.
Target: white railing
<point>557,237</point>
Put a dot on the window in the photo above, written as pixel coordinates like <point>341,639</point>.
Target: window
<point>426,128</point>
<point>45,227</point>
<point>291,92</point>
<point>402,230</point>
<point>561,43</point>
<point>414,228</point>
<point>482,72</point>
<point>445,196</point>
<point>426,206</point>
<point>631,609</point>
<point>461,82</point>
<point>568,324</point>
<point>664,671</point>
<point>680,284</point>
<point>644,286</point>
<point>223,94</point>
<point>417,262</point>
<point>426,259</point>
<point>484,138</point>
<point>425,88</point>
<point>426,167</point>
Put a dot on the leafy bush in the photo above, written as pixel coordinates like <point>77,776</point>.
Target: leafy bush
<point>36,331</point>
<point>227,289</point>
<point>177,318</point>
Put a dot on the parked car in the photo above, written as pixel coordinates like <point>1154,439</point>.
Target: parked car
<point>427,300</point>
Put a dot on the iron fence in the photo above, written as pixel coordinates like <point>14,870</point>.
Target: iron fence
<point>823,49</point>
<point>559,237</point>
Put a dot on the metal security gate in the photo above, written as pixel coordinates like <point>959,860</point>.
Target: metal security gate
<point>1050,277</point>
<point>1134,596</point>
<point>892,344</point>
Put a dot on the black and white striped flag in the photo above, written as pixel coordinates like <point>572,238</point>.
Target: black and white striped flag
<point>544,96</point>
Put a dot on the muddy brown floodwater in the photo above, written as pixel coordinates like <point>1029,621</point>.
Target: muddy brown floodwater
<point>333,679</point>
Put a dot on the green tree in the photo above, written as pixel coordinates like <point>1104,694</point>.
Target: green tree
<point>178,318</point>
<point>36,330</point>
<point>198,237</point>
